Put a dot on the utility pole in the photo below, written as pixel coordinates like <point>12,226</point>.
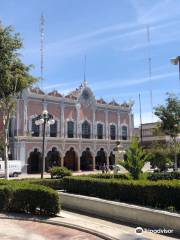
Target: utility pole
<point>140,116</point>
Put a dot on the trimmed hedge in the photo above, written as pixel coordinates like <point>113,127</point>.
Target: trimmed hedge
<point>164,176</point>
<point>162,194</point>
<point>60,172</point>
<point>56,184</point>
<point>24,197</point>
<point>109,176</point>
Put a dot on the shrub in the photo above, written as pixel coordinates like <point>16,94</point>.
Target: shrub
<point>164,176</point>
<point>24,197</point>
<point>56,184</point>
<point>162,194</point>
<point>5,195</point>
<point>109,176</point>
<point>135,159</point>
<point>60,172</point>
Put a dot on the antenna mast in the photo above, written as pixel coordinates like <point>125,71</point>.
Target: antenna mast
<point>140,118</point>
<point>149,67</point>
<point>84,68</point>
<point>42,48</point>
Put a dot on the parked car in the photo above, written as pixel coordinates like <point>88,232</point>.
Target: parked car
<point>14,168</point>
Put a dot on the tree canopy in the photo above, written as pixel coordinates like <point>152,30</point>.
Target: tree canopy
<point>14,78</point>
<point>169,114</point>
<point>14,74</point>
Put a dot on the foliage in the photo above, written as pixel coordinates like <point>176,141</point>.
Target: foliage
<point>161,156</point>
<point>109,176</point>
<point>56,184</point>
<point>170,120</point>
<point>14,78</point>
<point>16,196</point>
<point>161,194</point>
<point>164,176</point>
<point>59,172</point>
<point>135,159</point>
<point>169,116</point>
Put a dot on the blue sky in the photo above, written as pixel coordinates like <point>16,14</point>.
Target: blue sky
<point>113,36</point>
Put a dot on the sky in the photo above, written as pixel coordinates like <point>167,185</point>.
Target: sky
<point>113,36</point>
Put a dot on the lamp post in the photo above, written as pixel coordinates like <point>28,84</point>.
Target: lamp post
<point>43,119</point>
<point>176,61</point>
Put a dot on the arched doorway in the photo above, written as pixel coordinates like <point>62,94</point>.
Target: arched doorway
<point>71,160</point>
<point>86,160</point>
<point>101,159</point>
<point>34,161</point>
<point>111,160</point>
<point>53,158</point>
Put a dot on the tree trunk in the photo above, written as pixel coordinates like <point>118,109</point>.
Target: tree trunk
<point>6,154</point>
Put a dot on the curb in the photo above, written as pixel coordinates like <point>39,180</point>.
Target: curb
<point>59,223</point>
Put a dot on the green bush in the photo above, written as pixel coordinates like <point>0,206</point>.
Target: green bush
<point>24,197</point>
<point>56,184</point>
<point>5,195</point>
<point>162,194</point>
<point>60,172</point>
<point>109,176</point>
<point>164,176</point>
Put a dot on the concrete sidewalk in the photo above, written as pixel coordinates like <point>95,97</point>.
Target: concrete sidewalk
<point>101,228</point>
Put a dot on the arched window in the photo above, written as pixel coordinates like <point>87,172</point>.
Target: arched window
<point>70,129</point>
<point>99,131</point>
<point>35,129</point>
<point>124,133</point>
<point>53,129</point>
<point>86,130</point>
<point>113,132</point>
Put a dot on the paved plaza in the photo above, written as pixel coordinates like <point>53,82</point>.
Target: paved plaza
<point>69,226</point>
<point>27,230</point>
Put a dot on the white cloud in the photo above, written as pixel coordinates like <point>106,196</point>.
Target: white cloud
<point>110,84</point>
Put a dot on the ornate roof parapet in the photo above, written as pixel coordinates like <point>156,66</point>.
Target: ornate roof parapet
<point>113,103</point>
<point>36,90</point>
<point>101,101</point>
<point>55,93</point>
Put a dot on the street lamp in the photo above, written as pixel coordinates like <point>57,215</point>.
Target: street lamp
<point>42,119</point>
<point>176,61</point>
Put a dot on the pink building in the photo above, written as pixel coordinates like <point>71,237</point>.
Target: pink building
<point>83,136</point>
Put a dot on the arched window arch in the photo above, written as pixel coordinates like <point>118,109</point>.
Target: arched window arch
<point>124,133</point>
<point>35,129</point>
<point>70,129</point>
<point>86,130</point>
<point>99,130</point>
<point>53,129</point>
<point>112,132</point>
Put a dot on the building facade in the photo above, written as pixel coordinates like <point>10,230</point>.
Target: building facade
<point>84,133</point>
<point>151,135</point>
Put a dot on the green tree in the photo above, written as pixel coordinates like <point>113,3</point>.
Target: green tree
<point>169,114</point>
<point>14,77</point>
<point>160,156</point>
<point>135,159</point>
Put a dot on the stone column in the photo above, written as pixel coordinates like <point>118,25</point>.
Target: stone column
<point>94,162</point>
<point>94,124</point>
<point>119,127</point>
<point>106,124</point>
<point>78,133</point>
<point>62,120</point>
<point>107,160</point>
<point>62,159</point>
<point>25,118</point>
<point>130,127</point>
<point>79,163</point>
